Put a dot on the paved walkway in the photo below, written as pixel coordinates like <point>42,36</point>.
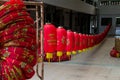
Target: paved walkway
<point>95,64</point>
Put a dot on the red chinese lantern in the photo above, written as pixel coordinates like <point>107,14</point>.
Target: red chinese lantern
<point>102,37</point>
<point>88,41</point>
<point>61,41</point>
<point>84,42</point>
<point>70,42</point>
<point>76,43</point>
<point>91,41</point>
<point>95,39</point>
<point>50,40</point>
<point>80,42</point>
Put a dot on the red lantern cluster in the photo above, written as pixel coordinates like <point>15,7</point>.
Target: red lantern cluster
<point>67,42</point>
<point>18,42</point>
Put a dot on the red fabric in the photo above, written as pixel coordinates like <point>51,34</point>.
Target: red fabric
<point>10,6</point>
<point>17,42</point>
<point>15,28</point>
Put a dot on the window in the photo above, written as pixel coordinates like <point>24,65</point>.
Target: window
<point>106,21</point>
<point>117,22</point>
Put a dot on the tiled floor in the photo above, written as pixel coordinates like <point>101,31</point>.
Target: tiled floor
<point>95,64</point>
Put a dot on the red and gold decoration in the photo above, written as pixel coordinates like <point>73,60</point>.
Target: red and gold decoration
<point>50,40</point>
<point>61,41</point>
<point>75,43</point>
<point>70,43</point>
<point>17,42</point>
<point>80,43</point>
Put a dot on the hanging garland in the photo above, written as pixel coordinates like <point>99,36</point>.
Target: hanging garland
<point>17,42</point>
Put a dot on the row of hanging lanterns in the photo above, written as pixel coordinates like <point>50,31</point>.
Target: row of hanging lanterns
<point>60,44</point>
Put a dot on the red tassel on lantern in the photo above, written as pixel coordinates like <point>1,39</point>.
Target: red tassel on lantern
<point>50,40</point>
<point>61,41</point>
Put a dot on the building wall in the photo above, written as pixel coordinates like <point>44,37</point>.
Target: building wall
<point>74,14</point>
<point>76,5</point>
<point>109,11</point>
<point>112,9</point>
<point>101,27</point>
